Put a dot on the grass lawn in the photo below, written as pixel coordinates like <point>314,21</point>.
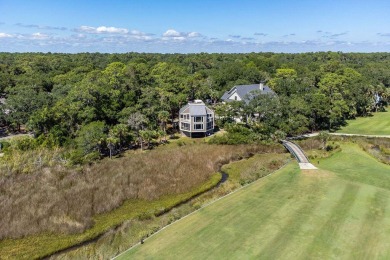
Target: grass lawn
<point>339,211</point>
<point>378,124</point>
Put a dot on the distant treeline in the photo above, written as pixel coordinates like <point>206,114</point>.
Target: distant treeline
<point>57,95</point>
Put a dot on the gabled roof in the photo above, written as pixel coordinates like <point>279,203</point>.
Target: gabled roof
<point>196,108</point>
<point>243,90</point>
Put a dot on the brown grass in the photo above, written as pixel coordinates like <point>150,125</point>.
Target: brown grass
<point>309,143</point>
<point>376,147</point>
<point>58,199</point>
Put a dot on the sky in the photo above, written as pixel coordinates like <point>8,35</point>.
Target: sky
<point>192,26</point>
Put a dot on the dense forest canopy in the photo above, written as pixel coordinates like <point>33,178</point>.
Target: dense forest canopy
<point>76,98</point>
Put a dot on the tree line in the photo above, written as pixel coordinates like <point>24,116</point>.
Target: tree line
<point>97,102</point>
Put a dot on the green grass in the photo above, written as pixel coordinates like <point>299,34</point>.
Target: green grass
<point>378,124</point>
<point>339,211</point>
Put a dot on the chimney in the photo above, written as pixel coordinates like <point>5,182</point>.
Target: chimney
<point>261,86</point>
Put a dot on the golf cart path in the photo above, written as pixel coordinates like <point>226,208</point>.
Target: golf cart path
<point>343,134</point>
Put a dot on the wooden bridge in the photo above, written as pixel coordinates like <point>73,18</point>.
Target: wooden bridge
<point>298,153</point>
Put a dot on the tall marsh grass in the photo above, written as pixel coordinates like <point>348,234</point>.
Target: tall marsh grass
<point>54,198</point>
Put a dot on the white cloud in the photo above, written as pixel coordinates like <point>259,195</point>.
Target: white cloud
<point>39,36</point>
<point>87,29</point>
<point>194,35</point>
<point>172,34</point>
<point>44,27</point>
<point>5,35</point>
<point>113,39</point>
<point>260,34</point>
<point>136,32</point>
<point>102,29</point>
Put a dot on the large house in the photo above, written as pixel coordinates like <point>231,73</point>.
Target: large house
<point>196,119</point>
<point>244,92</point>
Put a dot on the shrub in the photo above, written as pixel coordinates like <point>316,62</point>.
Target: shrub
<point>237,138</point>
<point>23,143</point>
<point>332,146</point>
<point>90,137</point>
<point>4,145</point>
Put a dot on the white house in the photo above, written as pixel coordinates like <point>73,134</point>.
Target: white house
<point>242,92</point>
<point>196,119</point>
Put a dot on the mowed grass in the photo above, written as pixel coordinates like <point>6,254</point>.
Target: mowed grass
<point>378,124</point>
<point>339,211</point>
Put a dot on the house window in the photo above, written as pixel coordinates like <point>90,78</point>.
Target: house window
<point>185,116</point>
<point>209,125</point>
<point>198,126</point>
<point>185,126</point>
<point>198,119</point>
<point>235,97</point>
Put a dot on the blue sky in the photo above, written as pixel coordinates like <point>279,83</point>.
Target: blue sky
<point>187,26</point>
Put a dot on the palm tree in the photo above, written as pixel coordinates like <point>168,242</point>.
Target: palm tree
<point>143,135</point>
<point>111,142</point>
<point>137,122</point>
<point>163,116</point>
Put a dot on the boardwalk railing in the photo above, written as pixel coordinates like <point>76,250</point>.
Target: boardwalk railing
<point>295,150</point>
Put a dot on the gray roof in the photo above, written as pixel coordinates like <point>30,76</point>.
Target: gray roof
<point>199,109</point>
<point>243,90</point>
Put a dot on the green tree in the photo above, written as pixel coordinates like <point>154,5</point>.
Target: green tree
<point>91,137</point>
<point>111,142</point>
<point>284,82</point>
<point>137,122</point>
<point>146,135</point>
<point>121,133</point>
<point>163,117</point>
<point>22,102</point>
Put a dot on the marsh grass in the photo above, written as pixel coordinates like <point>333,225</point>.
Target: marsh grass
<point>57,207</point>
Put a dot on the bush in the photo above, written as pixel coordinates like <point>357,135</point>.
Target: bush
<point>78,157</point>
<point>23,143</point>
<point>180,143</point>
<point>146,216</point>
<point>4,145</point>
<point>90,137</point>
<point>236,138</point>
<point>331,147</point>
